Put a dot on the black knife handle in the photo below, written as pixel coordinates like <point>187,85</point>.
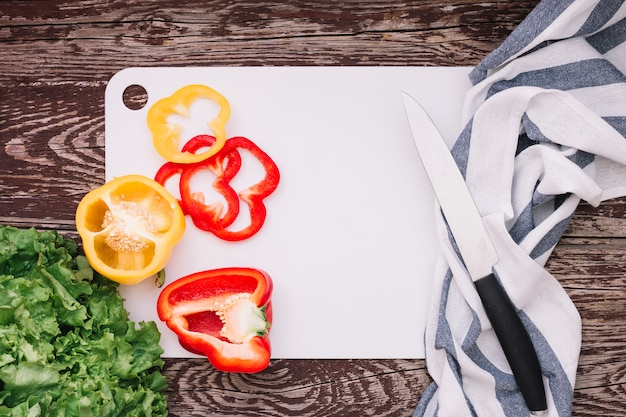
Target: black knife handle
<point>515,341</point>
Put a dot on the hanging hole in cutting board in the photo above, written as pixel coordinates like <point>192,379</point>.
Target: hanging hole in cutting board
<point>135,97</point>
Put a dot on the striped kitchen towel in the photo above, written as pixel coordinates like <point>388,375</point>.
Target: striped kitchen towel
<point>545,128</point>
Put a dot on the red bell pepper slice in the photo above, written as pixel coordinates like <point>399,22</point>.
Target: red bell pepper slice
<point>252,196</point>
<point>167,171</point>
<point>224,314</point>
<point>225,166</point>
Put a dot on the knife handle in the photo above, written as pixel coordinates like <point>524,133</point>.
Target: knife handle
<point>515,341</point>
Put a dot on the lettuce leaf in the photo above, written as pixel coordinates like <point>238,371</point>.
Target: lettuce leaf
<point>67,345</point>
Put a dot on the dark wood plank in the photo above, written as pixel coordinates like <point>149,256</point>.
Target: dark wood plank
<point>592,273</point>
<point>52,152</point>
<point>97,39</point>
<point>299,388</point>
<point>608,219</point>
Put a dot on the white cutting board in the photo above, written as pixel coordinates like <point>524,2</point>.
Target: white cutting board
<point>349,238</point>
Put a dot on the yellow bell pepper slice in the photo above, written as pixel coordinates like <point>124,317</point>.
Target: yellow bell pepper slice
<point>129,227</point>
<point>166,135</point>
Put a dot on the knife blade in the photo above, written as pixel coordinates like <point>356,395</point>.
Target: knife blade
<point>478,253</point>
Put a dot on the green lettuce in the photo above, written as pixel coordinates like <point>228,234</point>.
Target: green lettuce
<point>67,345</point>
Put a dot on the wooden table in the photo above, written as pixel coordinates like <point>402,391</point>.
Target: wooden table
<point>57,56</point>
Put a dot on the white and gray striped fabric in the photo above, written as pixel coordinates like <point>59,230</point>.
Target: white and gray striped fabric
<point>545,128</point>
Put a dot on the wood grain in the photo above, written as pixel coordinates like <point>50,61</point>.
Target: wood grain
<point>99,38</point>
<point>57,56</point>
<point>301,388</point>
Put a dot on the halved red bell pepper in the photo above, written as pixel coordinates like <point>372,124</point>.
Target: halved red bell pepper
<point>225,166</point>
<point>252,196</point>
<point>224,314</point>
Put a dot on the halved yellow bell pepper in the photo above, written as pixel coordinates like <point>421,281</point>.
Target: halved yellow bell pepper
<point>129,227</point>
<point>166,135</point>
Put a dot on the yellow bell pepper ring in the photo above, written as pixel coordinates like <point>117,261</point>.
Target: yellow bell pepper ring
<point>166,136</point>
<point>129,227</point>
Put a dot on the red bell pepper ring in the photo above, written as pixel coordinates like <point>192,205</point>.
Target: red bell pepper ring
<point>225,166</point>
<point>167,171</point>
<point>252,196</point>
<point>224,314</point>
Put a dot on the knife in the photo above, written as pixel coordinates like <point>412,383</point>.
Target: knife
<point>478,253</point>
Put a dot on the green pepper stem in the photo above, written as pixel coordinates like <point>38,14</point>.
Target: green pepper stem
<point>160,278</point>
